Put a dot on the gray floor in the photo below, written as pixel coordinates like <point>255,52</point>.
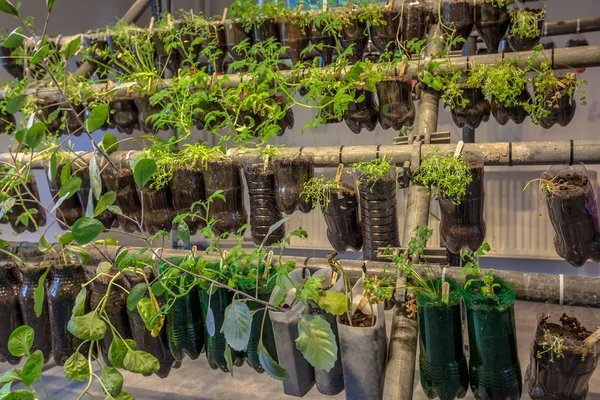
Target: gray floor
<point>195,379</point>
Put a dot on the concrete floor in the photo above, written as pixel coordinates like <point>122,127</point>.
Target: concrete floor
<point>195,380</point>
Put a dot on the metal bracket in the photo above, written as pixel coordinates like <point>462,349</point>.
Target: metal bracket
<point>436,138</point>
<point>404,176</point>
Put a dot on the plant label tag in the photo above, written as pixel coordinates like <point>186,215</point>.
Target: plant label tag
<point>338,174</point>
<point>225,10</point>
<point>445,292</point>
<point>324,5</point>
<point>459,148</point>
<point>593,338</point>
<point>151,24</point>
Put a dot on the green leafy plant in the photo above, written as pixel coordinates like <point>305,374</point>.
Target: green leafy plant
<point>525,23</point>
<point>473,268</point>
<point>317,190</point>
<point>551,345</point>
<point>449,175</point>
<point>373,170</point>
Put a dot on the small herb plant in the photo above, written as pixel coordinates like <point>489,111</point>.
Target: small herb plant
<point>449,175</point>
<point>317,190</point>
<point>525,23</point>
<point>551,345</point>
<point>473,268</point>
<point>372,171</point>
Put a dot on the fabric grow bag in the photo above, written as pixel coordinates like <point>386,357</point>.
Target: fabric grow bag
<point>120,180</point>
<point>491,22</point>
<point>463,225</point>
<point>10,310</point>
<point>291,173</point>
<point>494,368</point>
<point>341,216</point>
<point>442,363</point>
<point>62,292</point>
<point>396,107</point>
<point>42,340</point>
<point>71,209</point>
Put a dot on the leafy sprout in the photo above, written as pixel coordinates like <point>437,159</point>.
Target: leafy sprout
<point>318,189</point>
<point>525,23</point>
<point>374,170</point>
<point>473,268</point>
<point>449,175</point>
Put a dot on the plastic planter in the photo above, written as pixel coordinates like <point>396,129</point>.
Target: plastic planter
<point>517,113</point>
<point>341,216</point>
<point>264,211</point>
<point>491,22</point>
<point>463,225</point>
<point>31,274</point>
<point>234,35</point>
<point>216,38</point>
<point>158,209</point>
<point>562,110</point>
<point>120,180</point>
<point>362,114</point>
<point>459,15</point>
<point>554,377</point>
<point>477,110</point>
<point>318,37</point>
<point>386,36</point>
<point>293,37</point>
<point>416,17</point>
<point>10,64</point>
<point>25,200</point>
<point>354,35</point>
<point>157,346</point>
<point>188,50</point>
<point>187,188</point>
<point>72,120</point>
<point>126,115</point>
<point>10,311</point>
<point>291,172</point>
<point>301,375</point>
<point>264,30</point>
<point>115,309</point>
<point>573,212</point>
<point>62,292</point>
<point>516,42</point>
<point>229,214</point>
<point>494,369</point>
<point>379,214</point>
<point>145,111</point>
<point>442,362</point>
<point>71,209</point>
<point>332,382</point>
<point>364,356</point>
<point>166,62</point>
<point>396,107</point>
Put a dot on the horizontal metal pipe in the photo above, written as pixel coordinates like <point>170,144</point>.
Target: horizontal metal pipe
<point>570,27</point>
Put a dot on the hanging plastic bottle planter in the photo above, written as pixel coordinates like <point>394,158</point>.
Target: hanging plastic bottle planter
<point>319,38</point>
<point>216,38</point>
<point>119,179</point>
<point>291,173</point>
<point>396,107</point>
<point>187,188</point>
<point>71,208</point>
<point>457,16</point>
<point>235,35</point>
<point>526,24</point>
<point>517,114</point>
<point>294,37</point>
<point>560,105</point>
<point>491,21</point>
<point>362,114</point>
<point>24,196</point>
<point>126,115</point>
<point>416,18</point>
<point>10,310</point>
<point>477,109</point>
<point>354,34</point>
<point>386,36</point>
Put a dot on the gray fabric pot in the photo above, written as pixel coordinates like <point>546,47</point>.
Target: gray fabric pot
<point>332,382</point>
<point>301,375</point>
<point>364,356</point>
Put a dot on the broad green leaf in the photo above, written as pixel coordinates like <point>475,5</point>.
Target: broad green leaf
<point>20,135</point>
<point>39,294</point>
<point>112,380</point>
<point>148,309</point>
<point>10,376</point>
<point>275,226</point>
<point>273,369</point>
<point>236,325</point>
<point>65,173</point>
<point>32,369</point>
<point>97,118</point>
<point>228,358</point>
<point>77,368</point>
<point>109,143</point>
<point>7,205</point>
<point>183,232</point>
<point>59,203</point>
<point>82,254</point>
<point>158,289</point>
<point>5,390</point>
<point>50,4</point>
<point>118,350</point>
<point>335,303</point>
<point>135,295</point>
<point>66,238</point>
<point>20,394</point>
<point>70,187</point>
<point>210,322</point>
<point>87,327</point>
<point>35,134</point>
<point>8,7</point>
<point>86,229</point>
<point>43,244</point>
<point>105,201</point>
<point>39,55</point>
<point>53,167</point>
<point>80,300</point>
<point>15,39</point>
<point>95,179</point>
<point>71,48</point>
<point>15,104</point>
<point>140,362</point>
<point>316,342</point>
<point>124,395</point>
<point>20,341</point>
<point>103,268</point>
<point>115,210</point>
<point>144,169</point>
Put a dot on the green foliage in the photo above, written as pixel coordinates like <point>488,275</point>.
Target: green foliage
<point>505,82</point>
<point>86,229</point>
<point>472,267</point>
<point>551,345</point>
<point>21,341</point>
<point>525,23</point>
<point>236,325</point>
<point>316,342</point>
<point>448,174</point>
<point>317,190</point>
<point>373,170</point>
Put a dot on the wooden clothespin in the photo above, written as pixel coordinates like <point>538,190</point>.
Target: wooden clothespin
<point>334,277</point>
<point>225,10</point>
<point>445,292</point>
<point>169,20</point>
<point>194,250</point>
<point>338,174</point>
<point>151,24</point>
<point>594,337</point>
<point>459,149</point>
<point>363,303</point>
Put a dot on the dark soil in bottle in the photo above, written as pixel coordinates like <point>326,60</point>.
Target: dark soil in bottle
<point>24,200</point>
<point>362,114</point>
<point>157,346</point>
<point>550,377</point>
<point>359,319</point>
<point>573,212</point>
<point>491,23</point>
<point>229,214</point>
<point>116,310</point>
<point>291,173</point>
<point>216,38</point>
<point>517,114</point>
<point>158,209</point>
<point>145,111</point>
<point>126,115</point>
<point>41,325</point>
<point>415,21</point>
<point>293,37</point>
<point>442,363</point>
<point>234,35</point>
<point>561,111</point>
<point>187,188</point>
<point>494,368</point>
<point>355,35</point>
<point>318,37</point>
<point>62,292</point>
<point>215,345</point>
<point>268,339</point>
<point>381,231</point>
<point>108,219</point>
<point>385,37</point>
<point>341,216</point>
<point>463,225</point>
<point>10,310</point>
<point>122,183</point>
<point>477,110</point>
<point>262,32</point>
<point>459,15</point>
<point>10,64</point>
<point>517,43</point>
<point>264,211</point>
<point>396,107</point>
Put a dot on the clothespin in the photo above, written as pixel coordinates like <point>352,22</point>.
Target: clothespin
<point>225,10</point>
<point>338,174</point>
<point>459,149</point>
<point>445,292</point>
<point>151,24</point>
